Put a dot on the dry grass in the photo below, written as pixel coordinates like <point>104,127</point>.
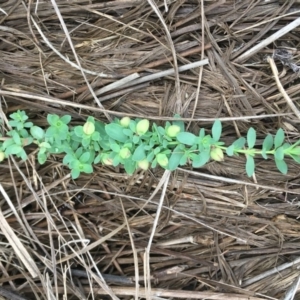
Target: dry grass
<point>209,233</point>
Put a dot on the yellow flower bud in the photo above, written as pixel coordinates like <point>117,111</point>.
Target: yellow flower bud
<point>89,128</point>
<point>143,164</point>
<point>106,160</point>
<point>124,122</point>
<point>124,153</point>
<point>173,130</point>
<point>2,155</point>
<point>142,126</point>
<point>162,159</point>
<point>217,154</point>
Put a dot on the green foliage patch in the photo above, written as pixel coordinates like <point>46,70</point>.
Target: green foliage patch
<point>137,144</point>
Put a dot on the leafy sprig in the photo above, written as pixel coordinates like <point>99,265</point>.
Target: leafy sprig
<point>137,144</point>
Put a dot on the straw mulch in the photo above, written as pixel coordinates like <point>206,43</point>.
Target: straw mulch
<point>219,234</point>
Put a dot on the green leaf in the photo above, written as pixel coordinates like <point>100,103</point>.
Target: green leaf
<point>156,150</point>
<point>85,157</point>
<point>87,168</point>
<point>75,173</point>
<point>217,130</point>
<point>16,137</point>
<point>28,124</point>
<point>22,155</point>
<point>268,142</point>
<point>24,133</point>
<point>296,158</point>
<point>15,116</point>
<point>200,159</point>
<point>139,153</point>
<point>13,123</point>
<point>281,166</point>
<point>100,127</point>
<point>179,123</point>
<point>78,130</point>
<point>97,159</point>
<point>186,138</point>
<point>161,130</point>
<point>51,132</point>
<point>251,137</point>
<point>154,163</point>
<point>13,149</point>
<point>279,153</point>
<point>150,156</point>
<point>129,166</point>
<point>175,158</point>
<point>239,143</point>
<point>96,136</point>
<point>116,160</point>
<point>279,138</point>
<point>66,119</point>
<point>230,150</point>
<point>37,132</point>
<point>250,165</point>
<point>115,131</point>
<point>135,139</point>
<point>295,150</point>
<point>128,132</point>
<point>115,147</point>
<point>264,154</point>
<point>42,157</point>
<point>201,133</point>
<point>52,119</point>
<point>7,143</point>
<point>184,159</point>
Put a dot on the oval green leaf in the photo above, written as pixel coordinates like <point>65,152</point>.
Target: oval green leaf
<point>216,130</point>
<point>251,137</point>
<point>281,166</point>
<point>279,138</point>
<point>279,153</point>
<point>295,158</point>
<point>186,138</point>
<point>230,150</point>
<point>250,165</point>
<point>84,157</point>
<point>139,153</point>
<point>115,131</point>
<point>239,143</point>
<point>268,142</point>
<point>175,158</point>
<point>87,168</point>
<point>129,166</point>
<point>201,159</point>
<point>13,149</point>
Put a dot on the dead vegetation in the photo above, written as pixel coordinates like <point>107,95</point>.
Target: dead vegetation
<point>209,233</point>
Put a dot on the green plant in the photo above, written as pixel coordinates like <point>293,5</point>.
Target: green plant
<point>135,144</point>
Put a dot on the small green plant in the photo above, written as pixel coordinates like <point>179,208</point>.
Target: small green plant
<point>137,144</point>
